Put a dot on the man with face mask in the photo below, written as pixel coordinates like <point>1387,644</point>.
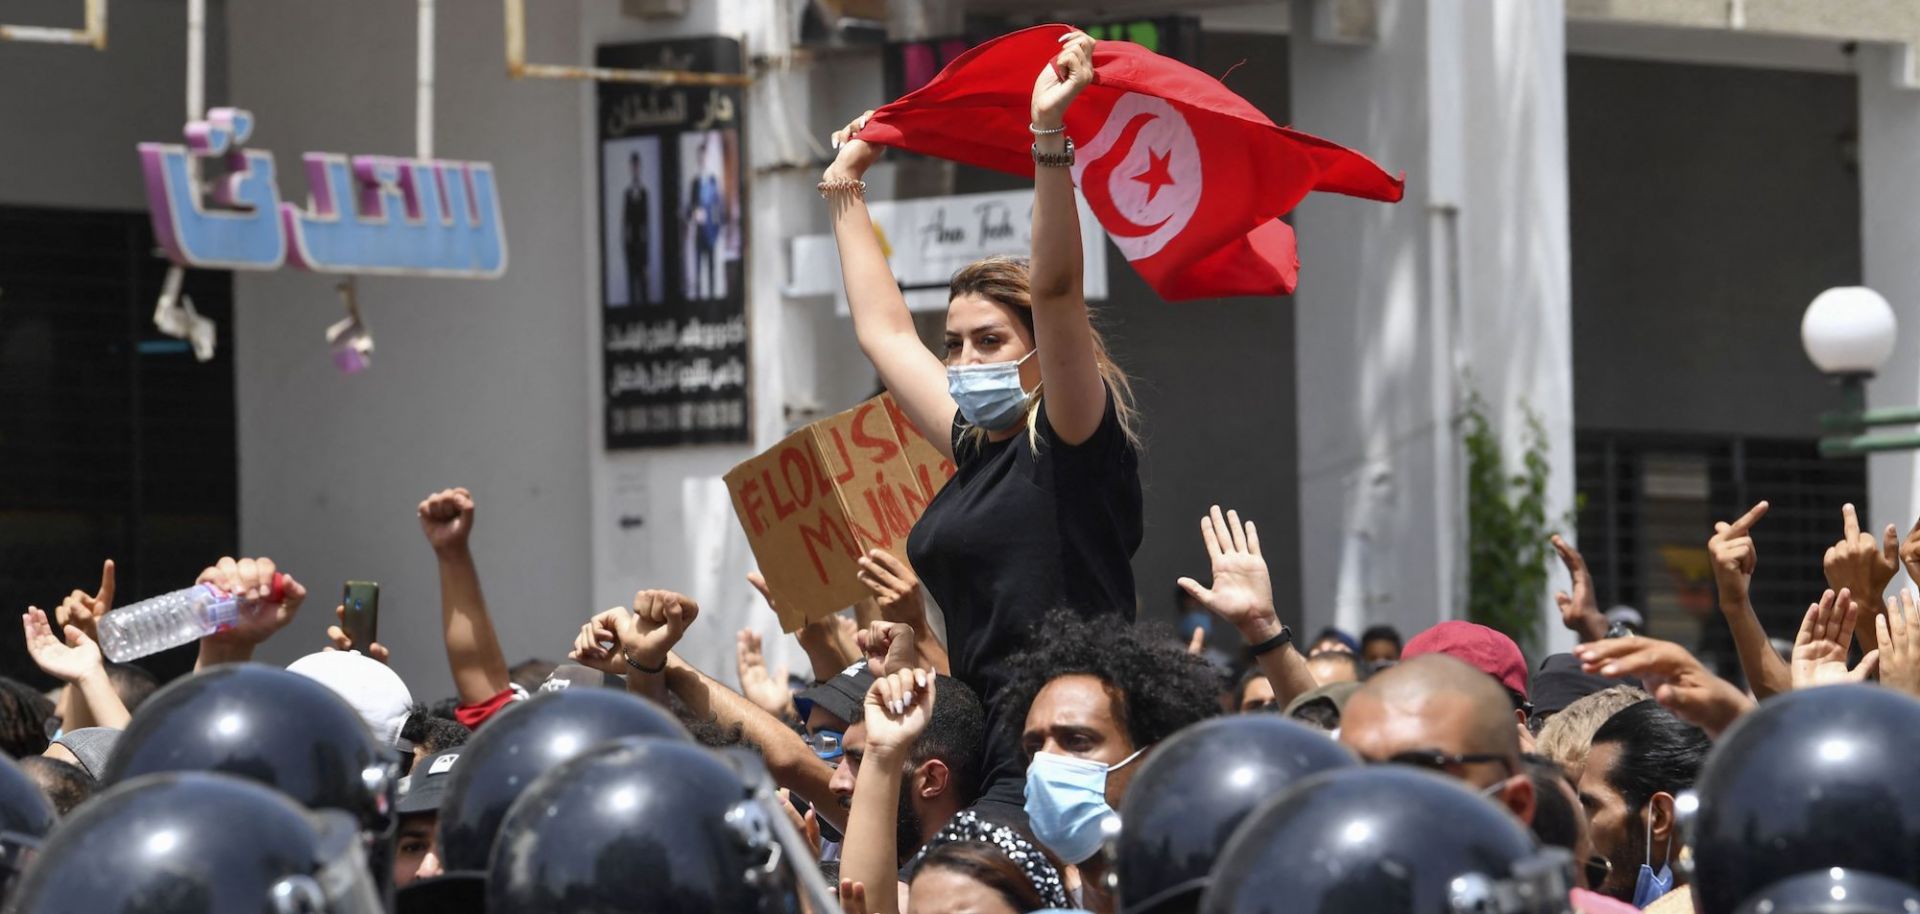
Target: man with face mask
<point>1642,758</point>
<point>1091,699</point>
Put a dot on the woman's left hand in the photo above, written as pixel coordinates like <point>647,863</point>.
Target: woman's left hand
<point>1062,79</point>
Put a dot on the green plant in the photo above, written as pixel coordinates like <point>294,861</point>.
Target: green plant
<point>1507,530</point>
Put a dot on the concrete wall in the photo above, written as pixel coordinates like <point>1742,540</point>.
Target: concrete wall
<point>474,383</point>
<point>1703,232</point>
<point>70,116</point>
<point>1889,153</point>
<point>1404,309</point>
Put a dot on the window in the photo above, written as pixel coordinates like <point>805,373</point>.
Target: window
<point>114,442</point>
<point>1650,505</point>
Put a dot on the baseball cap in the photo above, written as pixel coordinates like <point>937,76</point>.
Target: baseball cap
<point>1560,682</point>
<point>91,745</point>
<point>842,696</point>
<point>1334,693</point>
<point>421,790</point>
<point>1481,647</point>
<point>373,690</point>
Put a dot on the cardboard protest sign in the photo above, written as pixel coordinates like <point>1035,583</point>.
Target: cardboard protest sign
<point>826,494</point>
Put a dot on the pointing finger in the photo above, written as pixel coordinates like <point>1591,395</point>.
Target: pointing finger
<point>105,594</point>
<point>1850,521</point>
<point>1753,516</point>
<point>1890,544</point>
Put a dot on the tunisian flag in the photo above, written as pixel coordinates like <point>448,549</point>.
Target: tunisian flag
<point>1187,178</point>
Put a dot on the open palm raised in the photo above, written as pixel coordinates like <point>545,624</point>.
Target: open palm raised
<point>1241,594</point>
<point>1820,650</point>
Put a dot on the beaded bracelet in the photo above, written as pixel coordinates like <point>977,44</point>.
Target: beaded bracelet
<point>649,670</point>
<point>1037,130</point>
<point>856,188</point>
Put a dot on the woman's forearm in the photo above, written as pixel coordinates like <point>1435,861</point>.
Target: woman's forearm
<point>1057,267</point>
<point>873,298</point>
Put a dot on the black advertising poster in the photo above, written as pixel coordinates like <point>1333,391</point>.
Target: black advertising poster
<point>673,237</point>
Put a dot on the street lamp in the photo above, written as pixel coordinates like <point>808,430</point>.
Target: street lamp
<point>1848,332</point>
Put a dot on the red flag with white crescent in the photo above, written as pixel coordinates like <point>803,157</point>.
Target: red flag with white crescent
<point>1188,178</point>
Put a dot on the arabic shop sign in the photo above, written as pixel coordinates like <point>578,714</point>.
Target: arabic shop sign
<point>908,65</point>
<point>368,214</point>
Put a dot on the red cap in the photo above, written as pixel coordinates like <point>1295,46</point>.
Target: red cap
<point>1481,647</point>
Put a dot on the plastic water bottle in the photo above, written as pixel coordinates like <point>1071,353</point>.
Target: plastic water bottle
<point>169,620</point>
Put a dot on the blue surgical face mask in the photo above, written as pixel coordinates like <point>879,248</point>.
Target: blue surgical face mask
<point>1651,884</point>
<point>990,396</point>
<point>1067,801</point>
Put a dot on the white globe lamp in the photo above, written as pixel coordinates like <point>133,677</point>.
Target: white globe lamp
<point>1848,330</point>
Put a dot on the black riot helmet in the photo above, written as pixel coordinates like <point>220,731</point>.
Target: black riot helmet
<point>1834,891</point>
<point>196,842</point>
<point>1811,780</point>
<point>1194,789</point>
<point>25,819</point>
<point>524,741</point>
<point>267,725</point>
<point>1386,840</point>
<point>598,833</point>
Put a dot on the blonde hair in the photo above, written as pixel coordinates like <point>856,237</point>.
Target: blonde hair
<point>1006,280</point>
<point>1568,735</point>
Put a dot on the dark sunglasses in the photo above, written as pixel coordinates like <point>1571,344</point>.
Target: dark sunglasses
<point>1435,760</point>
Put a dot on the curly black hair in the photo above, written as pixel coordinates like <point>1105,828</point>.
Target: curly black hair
<point>1163,687</point>
<point>23,718</point>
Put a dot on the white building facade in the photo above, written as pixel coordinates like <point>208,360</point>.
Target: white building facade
<point>1614,214</point>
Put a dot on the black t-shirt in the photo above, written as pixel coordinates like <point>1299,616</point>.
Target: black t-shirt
<point>1019,531</point>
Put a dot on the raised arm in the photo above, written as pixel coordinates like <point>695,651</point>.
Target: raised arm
<point>790,760</point>
<point>473,650</point>
<point>900,597</point>
<point>828,650</point>
<point>1242,596</point>
<point>1579,610</point>
<point>78,663</point>
<point>1862,565</point>
<point>881,321</point>
<point>1734,559</point>
<point>643,639</point>
<point>1676,678</point>
<point>899,707</point>
<point>1076,397</point>
<point>258,583</point>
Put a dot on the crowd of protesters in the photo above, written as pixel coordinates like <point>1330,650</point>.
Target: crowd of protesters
<point>1047,754</point>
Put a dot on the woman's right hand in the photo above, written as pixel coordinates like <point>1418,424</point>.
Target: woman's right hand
<point>855,154</point>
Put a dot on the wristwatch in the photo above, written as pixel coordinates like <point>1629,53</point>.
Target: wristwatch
<point>1274,643</point>
<point>1054,159</point>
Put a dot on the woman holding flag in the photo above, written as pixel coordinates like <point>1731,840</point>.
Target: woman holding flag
<point>1045,510</point>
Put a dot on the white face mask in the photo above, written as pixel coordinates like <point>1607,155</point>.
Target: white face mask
<point>1067,802</point>
<point>990,396</point>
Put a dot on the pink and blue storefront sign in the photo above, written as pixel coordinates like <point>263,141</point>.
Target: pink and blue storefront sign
<point>369,214</point>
